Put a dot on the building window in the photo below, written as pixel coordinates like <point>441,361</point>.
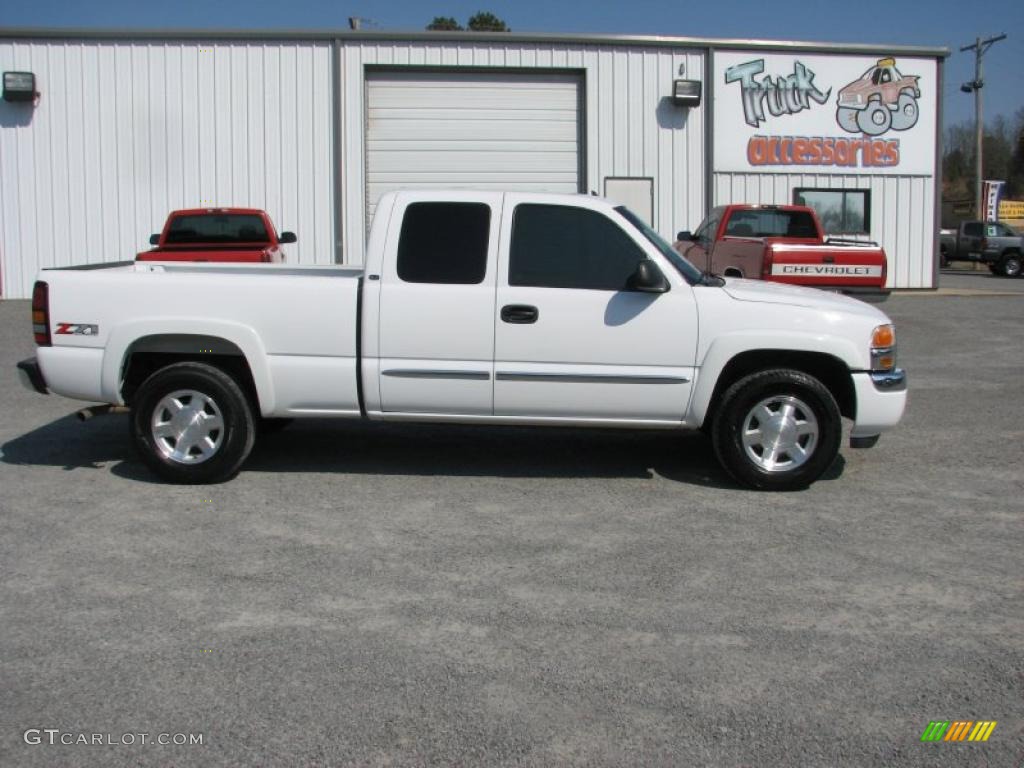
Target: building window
<point>555,246</point>
<point>841,211</point>
<point>444,243</point>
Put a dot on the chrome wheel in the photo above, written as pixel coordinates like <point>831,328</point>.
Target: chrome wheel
<point>780,433</point>
<point>187,427</point>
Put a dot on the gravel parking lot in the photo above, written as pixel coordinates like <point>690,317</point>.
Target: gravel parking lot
<point>381,595</point>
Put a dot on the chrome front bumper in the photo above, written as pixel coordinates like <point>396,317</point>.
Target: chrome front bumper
<point>890,381</point>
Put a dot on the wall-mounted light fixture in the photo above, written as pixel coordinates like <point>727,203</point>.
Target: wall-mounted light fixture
<point>19,86</point>
<point>686,93</point>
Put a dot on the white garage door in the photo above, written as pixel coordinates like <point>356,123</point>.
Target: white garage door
<point>471,131</point>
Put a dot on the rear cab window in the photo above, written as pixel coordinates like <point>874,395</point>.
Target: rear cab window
<point>444,242</point>
<point>225,228</point>
<point>771,223</point>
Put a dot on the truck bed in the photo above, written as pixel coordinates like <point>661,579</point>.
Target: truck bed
<point>301,319</point>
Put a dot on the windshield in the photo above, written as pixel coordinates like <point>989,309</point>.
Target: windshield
<point>684,267</point>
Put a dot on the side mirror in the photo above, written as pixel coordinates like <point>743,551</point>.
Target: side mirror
<point>647,278</point>
<point>686,235</point>
<point>287,237</point>
<point>154,239</point>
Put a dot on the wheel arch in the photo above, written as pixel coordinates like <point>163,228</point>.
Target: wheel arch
<point>132,354</point>
<point>830,370</point>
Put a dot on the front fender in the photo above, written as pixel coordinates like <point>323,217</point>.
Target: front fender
<point>245,338</point>
<point>727,347</point>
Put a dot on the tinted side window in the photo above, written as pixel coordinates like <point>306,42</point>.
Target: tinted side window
<point>444,243</point>
<point>973,229</point>
<point>556,246</point>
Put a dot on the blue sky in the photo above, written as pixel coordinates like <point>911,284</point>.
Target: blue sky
<point>942,23</point>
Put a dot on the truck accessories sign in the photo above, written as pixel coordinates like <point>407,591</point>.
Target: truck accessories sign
<point>863,115</point>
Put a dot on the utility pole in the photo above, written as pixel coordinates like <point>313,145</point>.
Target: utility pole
<point>979,47</point>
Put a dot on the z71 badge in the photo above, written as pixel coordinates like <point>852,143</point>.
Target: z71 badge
<point>77,329</point>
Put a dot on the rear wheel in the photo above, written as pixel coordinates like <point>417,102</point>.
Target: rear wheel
<point>191,423</point>
<point>905,116</point>
<point>777,430</point>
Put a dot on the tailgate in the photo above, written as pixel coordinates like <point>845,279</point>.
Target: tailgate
<point>846,265</point>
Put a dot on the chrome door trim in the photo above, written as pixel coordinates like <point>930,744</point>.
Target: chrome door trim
<point>590,378</point>
<point>420,373</point>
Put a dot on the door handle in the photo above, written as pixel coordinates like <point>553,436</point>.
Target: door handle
<point>520,314</point>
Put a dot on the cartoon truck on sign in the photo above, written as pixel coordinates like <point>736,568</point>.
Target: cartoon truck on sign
<point>880,99</point>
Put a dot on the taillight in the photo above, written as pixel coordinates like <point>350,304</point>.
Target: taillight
<point>766,265</point>
<point>984,243</point>
<point>41,313</point>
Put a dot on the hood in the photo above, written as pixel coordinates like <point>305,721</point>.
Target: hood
<point>780,293</point>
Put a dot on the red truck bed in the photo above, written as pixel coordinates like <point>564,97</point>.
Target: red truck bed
<point>218,234</point>
<point>783,244</point>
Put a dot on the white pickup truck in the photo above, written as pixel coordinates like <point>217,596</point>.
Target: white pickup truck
<point>472,307</point>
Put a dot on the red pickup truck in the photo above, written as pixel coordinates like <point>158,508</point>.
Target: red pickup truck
<point>218,234</point>
<point>786,244</point>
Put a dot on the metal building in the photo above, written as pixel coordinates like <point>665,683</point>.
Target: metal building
<point>314,127</point>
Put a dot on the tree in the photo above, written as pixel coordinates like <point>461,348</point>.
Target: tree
<point>485,21</point>
<point>444,24</point>
<point>1003,157</point>
<point>482,21</point>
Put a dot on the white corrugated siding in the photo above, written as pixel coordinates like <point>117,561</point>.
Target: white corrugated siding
<point>902,213</point>
<point>630,128</point>
<point>471,130</point>
<point>125,132</point>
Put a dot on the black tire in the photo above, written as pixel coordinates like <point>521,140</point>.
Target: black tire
<point>203,395</point>
<point>273,425</point>
<point>1009,265</point>
<point>943,257</point>
<point>811,403</point>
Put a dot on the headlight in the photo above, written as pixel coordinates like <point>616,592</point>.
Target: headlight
<point>883,348</point>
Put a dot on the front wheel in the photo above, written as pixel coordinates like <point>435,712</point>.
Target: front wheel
<point>1009,265</point>
<point>191,423</point>
<point>777,430</point>
<point>875,119</point>
<point>847,119</point>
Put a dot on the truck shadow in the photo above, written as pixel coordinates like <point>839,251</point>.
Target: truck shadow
<point>362,448</point>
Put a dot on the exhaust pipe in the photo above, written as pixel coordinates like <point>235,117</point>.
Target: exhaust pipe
<point>99,410</point>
